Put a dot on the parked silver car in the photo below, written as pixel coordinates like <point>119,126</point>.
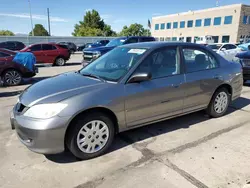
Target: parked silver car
<point>130,86</point>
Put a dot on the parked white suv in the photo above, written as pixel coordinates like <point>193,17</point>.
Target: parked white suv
<point>226,50</point>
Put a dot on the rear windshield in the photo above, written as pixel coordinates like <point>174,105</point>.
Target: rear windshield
<point>63,46</point>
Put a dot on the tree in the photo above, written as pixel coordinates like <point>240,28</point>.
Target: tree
<point>6,33</point>
<point>135,30</point>
<point>39,30</point>
<point>92,25</point>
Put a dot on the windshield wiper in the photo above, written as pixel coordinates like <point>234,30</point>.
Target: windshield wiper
<point>94,76</point>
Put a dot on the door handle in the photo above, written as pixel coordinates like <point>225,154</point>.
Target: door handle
<point>217,77</point>
<point>176,85</point>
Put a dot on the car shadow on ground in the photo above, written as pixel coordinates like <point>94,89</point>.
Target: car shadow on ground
<point>51,65</point>
<point>140,134</point>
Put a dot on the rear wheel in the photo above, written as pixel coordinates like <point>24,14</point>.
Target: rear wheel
<point>90,136</point>
<point>11,77</point>
<point>60,61</point>
<point>219,104</point>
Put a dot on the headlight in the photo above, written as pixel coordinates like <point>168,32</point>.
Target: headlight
<point>45,111</point>
<point>96,54</point>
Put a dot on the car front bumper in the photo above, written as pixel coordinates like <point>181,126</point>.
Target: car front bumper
<point>40,136</point>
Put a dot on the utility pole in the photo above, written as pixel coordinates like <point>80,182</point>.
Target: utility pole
<point>31,19</point>
<point>48,21</point>
<point>217,3</point>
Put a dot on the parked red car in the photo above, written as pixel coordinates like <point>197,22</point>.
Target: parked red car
<point>12,73</point>
<point>49,53</point>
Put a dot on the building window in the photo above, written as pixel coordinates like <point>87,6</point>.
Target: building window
<point>245,20</point>
<point>190,23</point>
<point>168,25</point>
<point>228,20</point>
<point>225,39</point>
<point>161,38</point>
<point>182,24</point>
<point>175,25</point>
<point>174,38</point>
<point>189,39</point>
<point>216,39</point>
<point>167,39</point>
<point>217,21</point>
<point>198,23</point>
<point>207,22</point>
<point>181,39</point>
<point>156,26</point>
<point>162,26</point>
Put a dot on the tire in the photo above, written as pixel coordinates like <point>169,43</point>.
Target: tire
<point>60,61</point>
<point>88,150</point>
<point>11,77</point>
<point>224,98</point>
<point>244,81</point>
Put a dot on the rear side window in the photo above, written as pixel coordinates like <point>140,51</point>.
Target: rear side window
<point>231,46</point>
<point>4,54</point>
<point>131,40</point>
<point>48,47</point>
<point>147,39</point>
<point>63,46</point>
<point>198,59</point>
<point>20,45</point>
<point>37,47</point>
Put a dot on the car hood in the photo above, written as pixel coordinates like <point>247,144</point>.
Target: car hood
<point>58,88</point>
<point>100,49</point>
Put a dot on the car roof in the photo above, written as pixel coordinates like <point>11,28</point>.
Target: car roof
<point>160,44</point>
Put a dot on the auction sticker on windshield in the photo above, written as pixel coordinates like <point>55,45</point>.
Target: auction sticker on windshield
<point>137,51</point>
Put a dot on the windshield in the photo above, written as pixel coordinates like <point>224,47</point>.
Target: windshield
<point>116,42</point>
<point>115,64</point>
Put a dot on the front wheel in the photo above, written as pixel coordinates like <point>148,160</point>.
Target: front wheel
<point>60,61</point>
<point>11,77</point>
<point>219,103</point>
<point>90,136</point>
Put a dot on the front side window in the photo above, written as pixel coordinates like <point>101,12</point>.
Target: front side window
<point>162,26</point>
<point>161,63</point>
<point>190,23</point>
<point>113,65</point>
<point>37,47</point>
<point>198,60</point>
<point>156,26</point>
<point>174,38</point>
<point>198,23</point>
<point>182,24</point>
<point>168,25</point>
<point>217,21</point>
<point>228,20</point>
<point>175,25</point>
<point>207,22</point>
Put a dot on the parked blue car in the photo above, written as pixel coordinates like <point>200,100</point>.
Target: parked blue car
<point>93,53</point>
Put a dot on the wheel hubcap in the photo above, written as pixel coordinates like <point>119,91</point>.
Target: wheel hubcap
<point>220,103</point>
<point>12,77</point>
<point>93,136</point>
<point>60,61</point>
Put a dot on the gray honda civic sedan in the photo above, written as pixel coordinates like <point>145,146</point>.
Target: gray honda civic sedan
<point>131,86</point>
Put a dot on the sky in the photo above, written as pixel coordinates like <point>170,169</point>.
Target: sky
<point>14,14</point>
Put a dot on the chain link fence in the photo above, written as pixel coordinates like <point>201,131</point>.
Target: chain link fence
<point>27,40</point>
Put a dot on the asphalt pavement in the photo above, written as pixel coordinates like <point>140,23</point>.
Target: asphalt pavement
<point>189,151</point>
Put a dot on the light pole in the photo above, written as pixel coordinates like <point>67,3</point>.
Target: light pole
<point>31,19</point>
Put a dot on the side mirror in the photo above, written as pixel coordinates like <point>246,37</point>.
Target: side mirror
<point>223,49</point>
<point>140,77</point>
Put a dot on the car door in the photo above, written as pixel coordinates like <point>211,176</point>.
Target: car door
<point>160,97</point>
<point>50,53</point>
<point>37,51</point>
<point>202,77</point>
<point>224,51</point>
<point>232,51</point>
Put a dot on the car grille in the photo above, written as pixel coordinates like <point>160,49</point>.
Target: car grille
<point>88,56</point>
<point>246,61</point>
